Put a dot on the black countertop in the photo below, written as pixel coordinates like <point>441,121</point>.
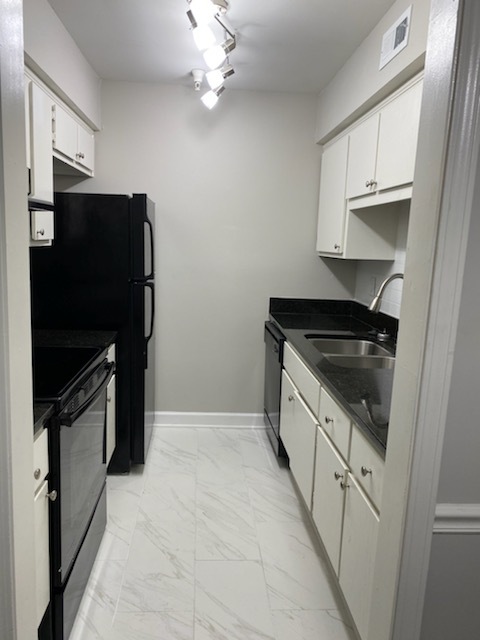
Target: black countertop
<point>42,411</point>
<point>73,338</point>
<point>297,318</point>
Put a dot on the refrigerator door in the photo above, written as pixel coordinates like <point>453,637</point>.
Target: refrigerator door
<point>142,369</point>
<point>142,211</point>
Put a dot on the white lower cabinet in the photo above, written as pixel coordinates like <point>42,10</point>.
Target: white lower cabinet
<point>298,429</point>
<point>357,562</point>
<point>42,562</point>
<point>340,477</point>
<point>329,496</point>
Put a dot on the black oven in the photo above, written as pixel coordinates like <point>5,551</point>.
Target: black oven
<point>75,379</point>
<point>274,340</point>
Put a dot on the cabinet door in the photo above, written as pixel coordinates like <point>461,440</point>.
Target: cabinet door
<point>331,204</point>
<point>359,543</point>
<point>85,148</point>
<point>110,436</point>
<point>397,141</point>
<point>41,144</point>
<point>297,431</point>
<point>328,496</point>
<point>42,564</point>
<point>64,133</point>
<point>362,158</point>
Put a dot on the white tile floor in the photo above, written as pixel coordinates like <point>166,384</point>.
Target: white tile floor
<point>209,542</point>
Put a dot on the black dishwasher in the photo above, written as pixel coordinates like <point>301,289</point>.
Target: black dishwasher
<point>274,340</point>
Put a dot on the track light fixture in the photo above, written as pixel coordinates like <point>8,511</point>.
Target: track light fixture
<point>210,98</point>
<point>206,16</point>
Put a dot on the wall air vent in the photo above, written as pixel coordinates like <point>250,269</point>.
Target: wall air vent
<point>396,38</point>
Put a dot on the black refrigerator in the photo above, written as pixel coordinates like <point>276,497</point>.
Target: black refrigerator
<point>99,275</point>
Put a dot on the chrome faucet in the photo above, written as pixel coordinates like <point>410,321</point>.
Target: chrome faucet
<point>377,300</point>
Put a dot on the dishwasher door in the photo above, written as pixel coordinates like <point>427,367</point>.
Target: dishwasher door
<point>274,340</point>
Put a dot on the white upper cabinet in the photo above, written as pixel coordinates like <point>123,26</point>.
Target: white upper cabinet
<point>73,142</point>
<point>383,147</point>
<point>331,205</point>
<point>365,173</point>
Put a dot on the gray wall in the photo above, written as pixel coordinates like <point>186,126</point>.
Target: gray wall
<point>360,84</point>
<point>236,192</point>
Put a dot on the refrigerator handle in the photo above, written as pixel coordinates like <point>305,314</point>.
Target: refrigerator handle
<point>150,276</point>
<point>151,286</point>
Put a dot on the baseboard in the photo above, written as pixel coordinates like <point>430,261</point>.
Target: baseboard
<point>457,518</point>
<point>198,419</point>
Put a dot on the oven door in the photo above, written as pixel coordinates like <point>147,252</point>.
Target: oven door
<point>79,469</point>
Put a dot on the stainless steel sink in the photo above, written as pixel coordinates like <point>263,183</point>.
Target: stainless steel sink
<point>361,361</point>
<point>348,347</point>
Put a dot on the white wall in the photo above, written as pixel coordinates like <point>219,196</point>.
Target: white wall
<point>359,85</point>
<point>51,52</point>
<point>371,273</point>
<point>236,192</point>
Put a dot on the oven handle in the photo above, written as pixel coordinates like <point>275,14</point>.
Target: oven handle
<point>67,419</point>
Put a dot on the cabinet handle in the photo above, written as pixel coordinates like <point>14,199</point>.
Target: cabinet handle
<point>344,485</point>
<point>52,496</point>
<point>370,183</point>
<point>291,398</point>
<point>328,420</point>
<point>338,475</point>
<point>41,232</point>
<point>36,474</point>
<point>109,399</point>
<point>365,471</point>
<point>336,247</point>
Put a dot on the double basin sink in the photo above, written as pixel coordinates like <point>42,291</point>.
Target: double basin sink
<point>353,353</point>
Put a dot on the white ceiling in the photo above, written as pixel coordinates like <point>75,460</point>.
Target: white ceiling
<point>282,45</point>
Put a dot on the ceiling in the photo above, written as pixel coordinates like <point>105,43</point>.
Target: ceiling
<point>282,45</point>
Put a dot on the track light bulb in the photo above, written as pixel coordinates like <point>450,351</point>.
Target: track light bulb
<point>216,77</point>
<point>203,10</point>
<point>215,56</point>
<point>210,98</point>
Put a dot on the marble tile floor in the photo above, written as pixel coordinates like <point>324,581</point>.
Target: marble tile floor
<point>208,541</point>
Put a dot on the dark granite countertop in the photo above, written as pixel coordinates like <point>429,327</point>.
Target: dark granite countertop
<point>300,318</point>
<point>42,411</point>
<point>73,338</point>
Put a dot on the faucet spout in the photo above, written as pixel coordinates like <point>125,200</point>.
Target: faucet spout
<point>377,300</point>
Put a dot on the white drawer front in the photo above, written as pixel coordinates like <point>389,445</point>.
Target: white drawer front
<point>335,422</point>
<point>367,466</point>
<point>303,378</point>
<point>40,459</point>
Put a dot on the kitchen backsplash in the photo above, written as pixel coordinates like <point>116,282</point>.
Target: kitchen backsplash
<point>370,274</point>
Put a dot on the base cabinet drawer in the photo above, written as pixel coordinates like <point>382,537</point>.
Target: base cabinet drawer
<point>357,561</point>
<point>367,466</point>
